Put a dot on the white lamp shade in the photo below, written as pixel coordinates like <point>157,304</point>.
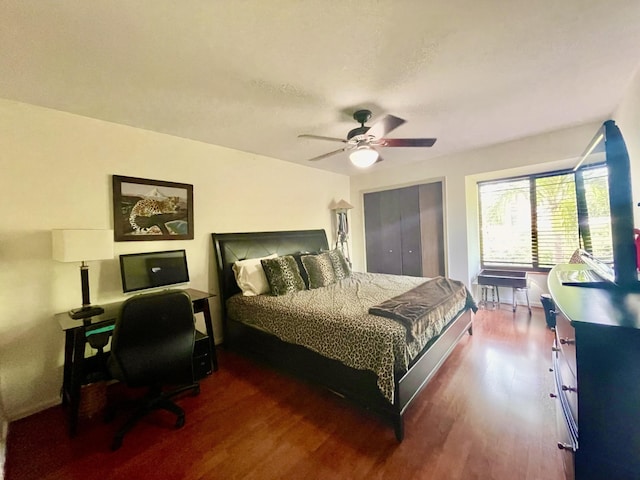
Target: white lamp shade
<point>363,157</point>
<point>342,205</point>
<point>82,245</point>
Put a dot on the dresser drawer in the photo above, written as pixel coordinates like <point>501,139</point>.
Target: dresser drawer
<point>566,382</point>
<point>564,441</point>
<point>566,424</point>
<point>566,340</point>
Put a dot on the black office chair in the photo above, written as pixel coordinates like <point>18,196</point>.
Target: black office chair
<point>152,346</point>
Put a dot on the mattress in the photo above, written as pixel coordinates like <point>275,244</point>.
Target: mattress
<point>334,321</point>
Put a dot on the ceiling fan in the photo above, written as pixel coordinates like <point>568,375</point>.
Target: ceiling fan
<point>363,142</point>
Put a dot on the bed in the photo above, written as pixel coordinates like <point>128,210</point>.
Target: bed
<point>368,359</point>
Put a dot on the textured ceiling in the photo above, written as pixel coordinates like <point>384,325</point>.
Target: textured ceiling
<point>252,75</point>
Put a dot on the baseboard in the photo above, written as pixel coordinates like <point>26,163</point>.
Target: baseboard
<point>33,409</point>
<point>518,304</point>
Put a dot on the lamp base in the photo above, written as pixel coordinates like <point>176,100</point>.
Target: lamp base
<point>86,312</point>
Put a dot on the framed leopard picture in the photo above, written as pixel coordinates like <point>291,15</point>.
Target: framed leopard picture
<point>146,209</point>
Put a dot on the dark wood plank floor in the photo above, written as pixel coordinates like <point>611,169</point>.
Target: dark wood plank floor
<point>486,415</point>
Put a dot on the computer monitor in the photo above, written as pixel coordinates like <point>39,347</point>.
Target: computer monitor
<point>143,271</point>
<point>608,148</point>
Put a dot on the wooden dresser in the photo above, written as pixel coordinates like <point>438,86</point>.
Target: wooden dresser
<point>596,367</point>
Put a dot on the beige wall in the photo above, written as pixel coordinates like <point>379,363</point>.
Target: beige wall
<point>56,173</point>
<point>627,117</point>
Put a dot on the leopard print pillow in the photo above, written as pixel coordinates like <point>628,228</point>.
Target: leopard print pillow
<point>283,275</point>
<point>319,270</point>
<point>303,273</point>
<point>576,257</point>
<point>341,267</point>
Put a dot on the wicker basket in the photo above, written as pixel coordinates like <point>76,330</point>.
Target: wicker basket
<point>93,399</point>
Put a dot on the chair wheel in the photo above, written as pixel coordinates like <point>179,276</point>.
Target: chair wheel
<point>180,421</point>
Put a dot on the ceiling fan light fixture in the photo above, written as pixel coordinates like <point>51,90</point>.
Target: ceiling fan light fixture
<point>361,140</point>
<point>363,156</point>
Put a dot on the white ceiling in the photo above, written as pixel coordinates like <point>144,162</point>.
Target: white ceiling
<point>253,74</point>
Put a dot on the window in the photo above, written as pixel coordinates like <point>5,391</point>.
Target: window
<point>597,218</point>
<point>537,221</point>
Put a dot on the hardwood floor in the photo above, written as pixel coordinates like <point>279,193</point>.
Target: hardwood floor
<point>486,415</point>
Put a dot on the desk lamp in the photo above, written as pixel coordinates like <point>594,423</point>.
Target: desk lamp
<point>82,246</point>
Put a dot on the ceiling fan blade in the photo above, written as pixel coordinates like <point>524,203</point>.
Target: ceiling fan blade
<point>384,125</point>
<point>320,137</point>
<point>406,142</point>
<point>325,155</point>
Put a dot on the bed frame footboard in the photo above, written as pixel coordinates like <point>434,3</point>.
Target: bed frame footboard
<point>357,386</point>
<point>426,366</point>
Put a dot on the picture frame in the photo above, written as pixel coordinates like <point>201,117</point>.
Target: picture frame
<point>145,209</point>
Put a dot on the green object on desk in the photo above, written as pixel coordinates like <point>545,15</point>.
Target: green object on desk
<point>107,328</point>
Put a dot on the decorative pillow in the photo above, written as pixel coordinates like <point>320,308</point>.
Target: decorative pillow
<point>319,269</point>
<point>301,269</point>
<point>283,275</point>
<point>576,257</point>
<point>250,276</point>
<point>341,267</point>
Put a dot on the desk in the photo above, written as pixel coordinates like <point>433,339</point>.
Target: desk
<point>77,368</point>
<point>494,279</point>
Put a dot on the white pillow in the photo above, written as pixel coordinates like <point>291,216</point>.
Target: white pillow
<point>250,276</point>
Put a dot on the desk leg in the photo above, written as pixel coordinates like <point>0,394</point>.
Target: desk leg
<point>208,324</point>
<point>75,380</point>
<point>68,364</point>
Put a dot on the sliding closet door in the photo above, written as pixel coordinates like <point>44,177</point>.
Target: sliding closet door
<point>410,231</point>
<point>432,229</point>
<point>383,232</point>
<point>404,231</point>
<point>392,229</point>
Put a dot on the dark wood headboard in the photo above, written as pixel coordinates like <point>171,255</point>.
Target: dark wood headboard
<point>231,247</point>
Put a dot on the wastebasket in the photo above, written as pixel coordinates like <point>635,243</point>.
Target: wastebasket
<point>549,309</point>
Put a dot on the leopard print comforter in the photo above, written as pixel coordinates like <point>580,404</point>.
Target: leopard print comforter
<point>334,321</point>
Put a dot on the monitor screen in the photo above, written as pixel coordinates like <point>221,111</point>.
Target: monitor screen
<point>142,271</point>
<point>608,234</point>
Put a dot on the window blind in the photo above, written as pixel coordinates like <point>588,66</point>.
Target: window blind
<point>535,222</point>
